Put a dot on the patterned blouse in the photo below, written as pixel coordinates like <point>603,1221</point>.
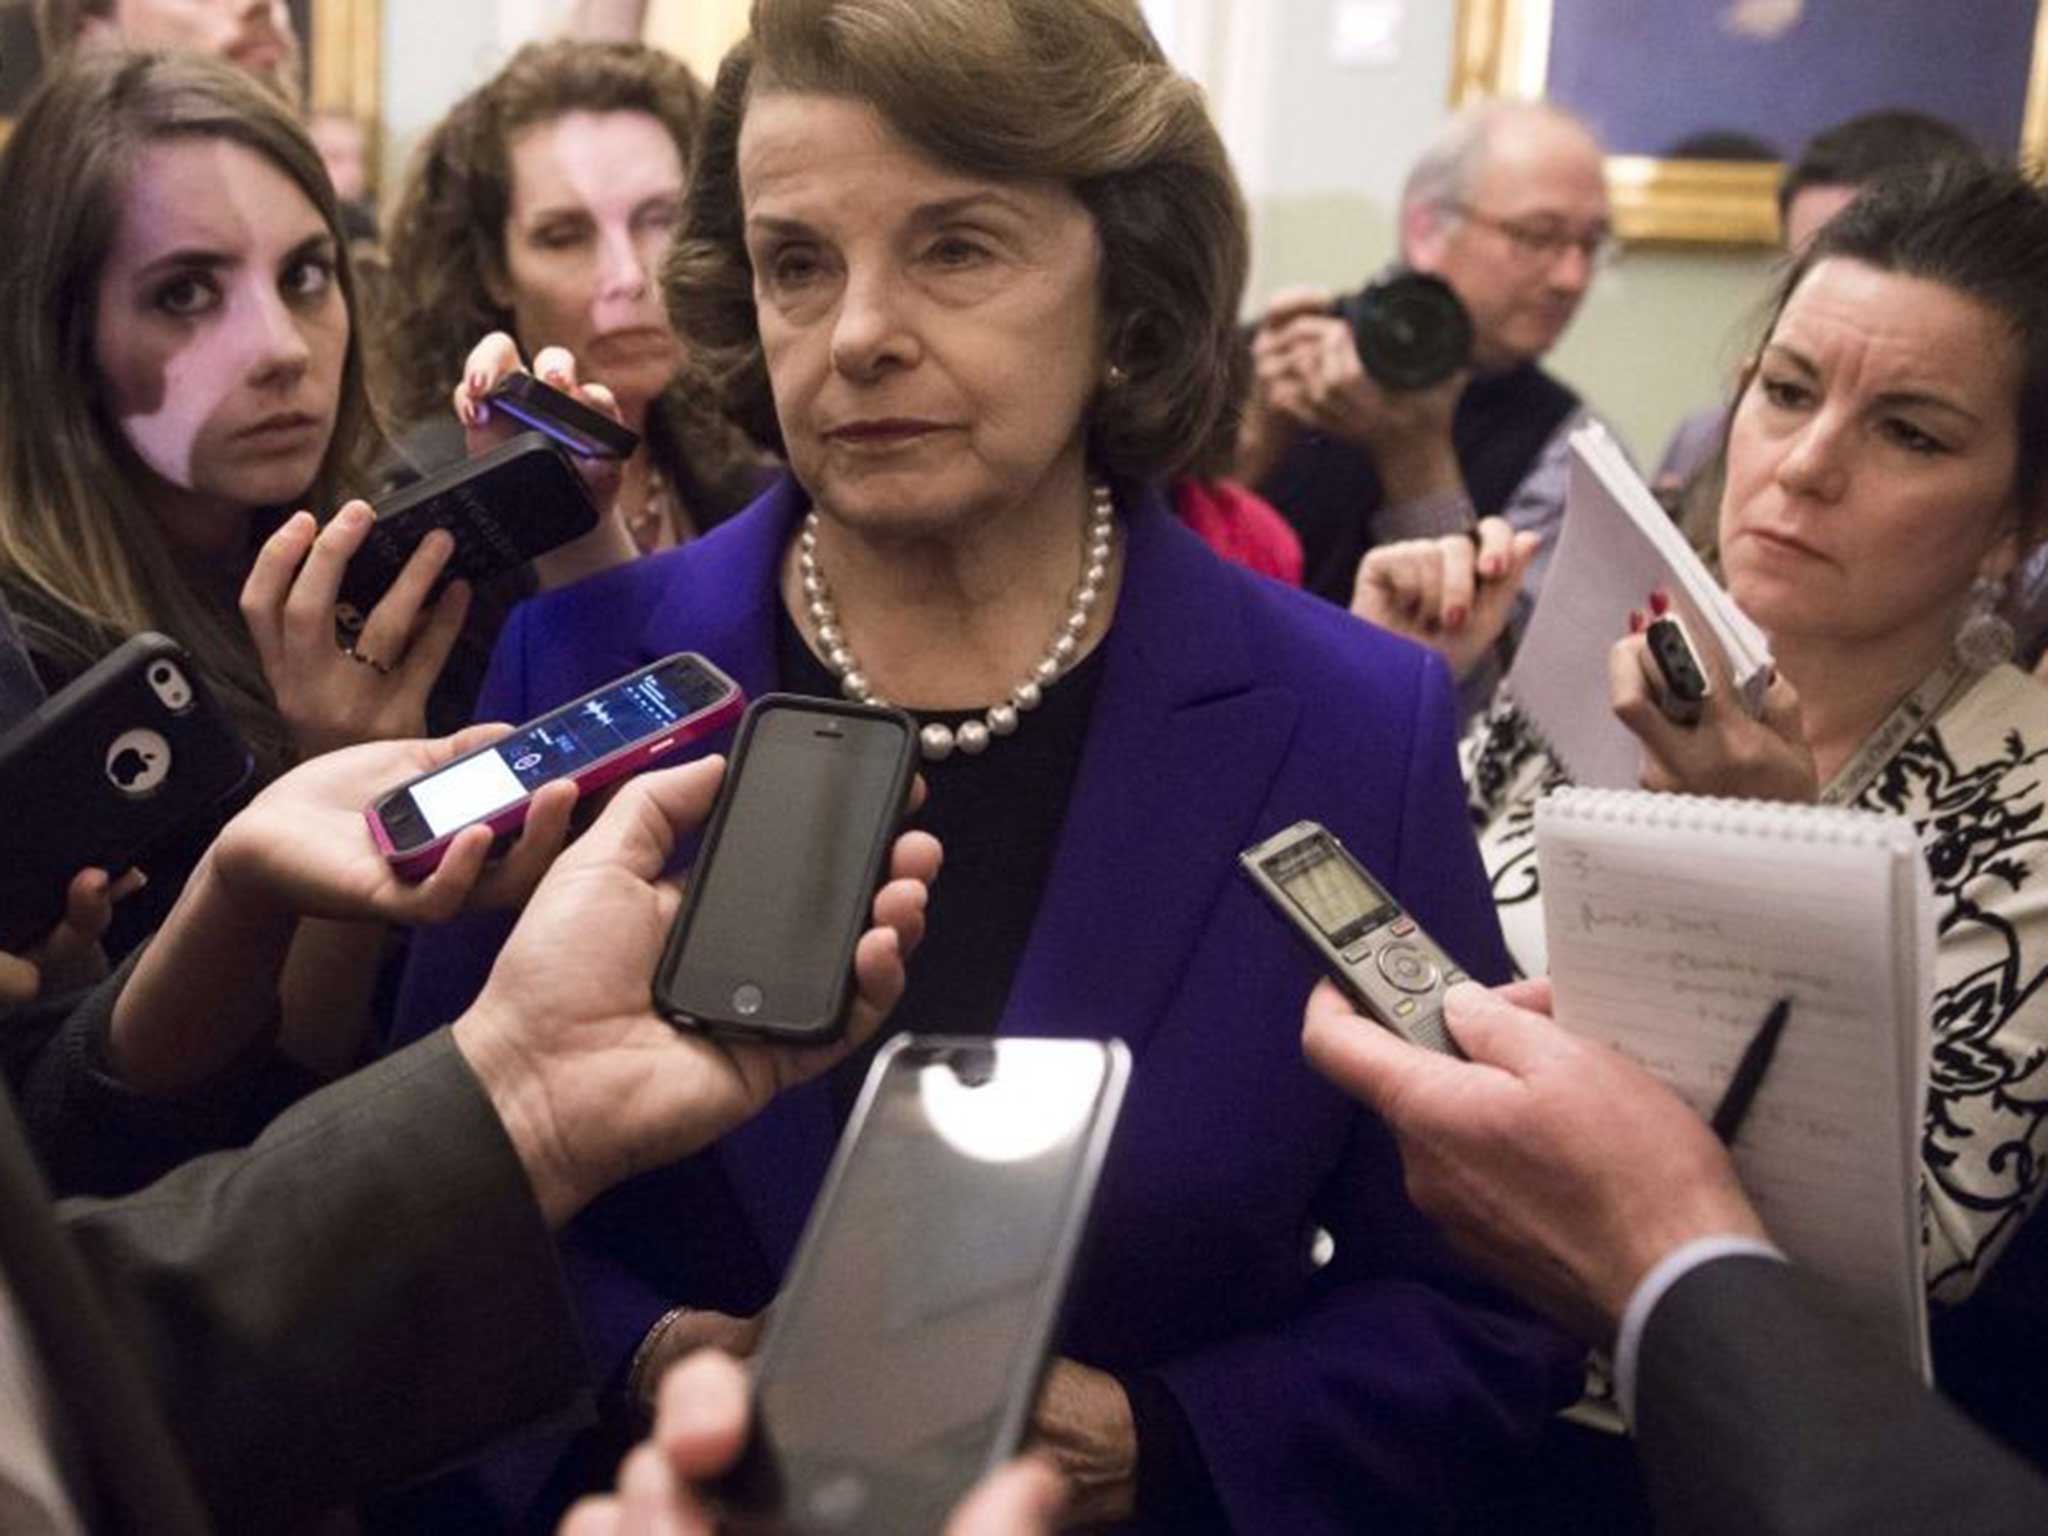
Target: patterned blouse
<point>1974,782</point>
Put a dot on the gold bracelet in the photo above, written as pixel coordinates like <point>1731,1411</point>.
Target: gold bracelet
<point>638,1389</point>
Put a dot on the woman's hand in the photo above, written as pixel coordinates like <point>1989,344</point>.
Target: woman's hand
<point>302,848</point>
<point>377,688</point>
<point>1084,1424</point>
<point>1450,593</point>
<point>490,363</point>
<point>1724,752</point>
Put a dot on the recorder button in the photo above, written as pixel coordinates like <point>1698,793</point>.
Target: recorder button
<point>1358,952</point>
<point>1402,927</point>
<point>1404,1007</point>
<point>1407,968</point>
<point>746,999</point>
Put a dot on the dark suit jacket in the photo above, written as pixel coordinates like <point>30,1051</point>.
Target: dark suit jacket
<point>1758,1411</point>
<point>363,1295</point>
<point>1229,707</point>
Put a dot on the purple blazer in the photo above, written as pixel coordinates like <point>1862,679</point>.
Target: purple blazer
<point>1364,1393</point>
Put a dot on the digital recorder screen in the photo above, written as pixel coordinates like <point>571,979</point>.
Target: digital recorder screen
<point>563,743</point>
<point>1338,896</point>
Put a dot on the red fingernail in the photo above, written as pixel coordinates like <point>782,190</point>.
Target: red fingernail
<point>1454,618</point>
<point>1635,621</point>
<point>1659,604</point>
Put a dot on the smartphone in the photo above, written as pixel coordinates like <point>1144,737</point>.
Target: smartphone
<point>795,848</point>
<point>521,499</point>
<point>1684,693</point>
<point>903,1357</point>
<point>619,729</point>
<point>128,754</point>
<point>563,417</point>
<point>1389,968</point>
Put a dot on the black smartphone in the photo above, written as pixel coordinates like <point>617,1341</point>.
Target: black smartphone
<point>125,756</point>
<point>794,851</point>
<point>611,732</point>
<point>521,499</point>
<point>563,417</point>
<point>904,1355</point>
<point>1389,968</point>
<point>1684,694</point>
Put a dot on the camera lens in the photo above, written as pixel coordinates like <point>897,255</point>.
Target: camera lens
<point>161,674</point>
<point>1411,329</point>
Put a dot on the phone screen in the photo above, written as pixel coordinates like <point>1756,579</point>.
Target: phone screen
<point>1329,887</point>
<point>905,1352</point>
<point>789,879</point>
<point>560,744</point>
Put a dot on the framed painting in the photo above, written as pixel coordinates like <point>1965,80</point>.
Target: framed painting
<point>342,41</point>
<point>1700,102</point>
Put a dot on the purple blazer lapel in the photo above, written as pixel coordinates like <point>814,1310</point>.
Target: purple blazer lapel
<point>722,601</point>
<point>1186,741</point>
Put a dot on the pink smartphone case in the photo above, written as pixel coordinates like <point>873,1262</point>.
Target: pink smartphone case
<point>624,763</point>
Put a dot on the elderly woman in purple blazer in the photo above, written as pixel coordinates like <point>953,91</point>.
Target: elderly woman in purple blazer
<point>972,266</point>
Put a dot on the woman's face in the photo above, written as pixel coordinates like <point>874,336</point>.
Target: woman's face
<point>1871,460</point>
<point>219,328</point>
<point>595,200</point>
<point>932,338</point>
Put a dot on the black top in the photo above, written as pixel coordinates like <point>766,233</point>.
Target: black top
<point>1328,488</point>
<point>998,816</point>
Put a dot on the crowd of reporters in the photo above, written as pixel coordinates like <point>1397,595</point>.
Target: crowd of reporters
<point>928,364</point>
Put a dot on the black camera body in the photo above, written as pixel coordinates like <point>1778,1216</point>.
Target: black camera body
<point>1412,330</point>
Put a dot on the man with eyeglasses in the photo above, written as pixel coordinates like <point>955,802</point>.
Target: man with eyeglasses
<point>1509,207</point>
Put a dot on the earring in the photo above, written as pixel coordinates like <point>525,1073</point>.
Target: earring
<point>1114,377</point>
<point>1984,639</point>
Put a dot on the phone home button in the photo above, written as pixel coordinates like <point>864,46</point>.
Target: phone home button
<point>746,999</point>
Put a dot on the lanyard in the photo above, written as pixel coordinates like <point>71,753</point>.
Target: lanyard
<point>1936,692</point>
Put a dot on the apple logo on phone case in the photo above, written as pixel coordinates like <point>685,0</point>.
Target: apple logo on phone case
<point>137,762</point>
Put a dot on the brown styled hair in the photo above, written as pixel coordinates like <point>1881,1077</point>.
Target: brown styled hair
<point>448,236</point>
<point>1073,90</point>
<point>84,559</point>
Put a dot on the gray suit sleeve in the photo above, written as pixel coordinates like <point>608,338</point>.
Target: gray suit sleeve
<point>1758,1410</point>
<point>363,1295</point>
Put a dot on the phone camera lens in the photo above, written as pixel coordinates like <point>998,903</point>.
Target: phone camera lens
<point>161,674</point>
<point>746,1000</point>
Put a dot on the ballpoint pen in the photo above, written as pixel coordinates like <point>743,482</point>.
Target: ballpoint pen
<point>1749,1072</point>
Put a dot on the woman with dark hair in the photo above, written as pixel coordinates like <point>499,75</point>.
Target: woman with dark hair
<point>540,208</point>
<point>1887,468</point>
<point>973,265</point>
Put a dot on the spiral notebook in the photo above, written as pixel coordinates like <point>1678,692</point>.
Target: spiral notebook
<point>1675,922</point>
<point>1616,546</point>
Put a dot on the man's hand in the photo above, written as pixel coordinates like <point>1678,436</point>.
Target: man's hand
<point>591,1083</point>
<point>1448,593</point>
<point>699,1432</point>
<point>1552,1162</point>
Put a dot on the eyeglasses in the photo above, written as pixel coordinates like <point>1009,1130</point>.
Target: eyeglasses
<point>1545,242</point>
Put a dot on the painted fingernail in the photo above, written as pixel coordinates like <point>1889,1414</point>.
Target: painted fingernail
<point>1660,604</point>
<point>1635,621</point>
<point>1453,618</point>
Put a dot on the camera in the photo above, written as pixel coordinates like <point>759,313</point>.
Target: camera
<point>1411,329</point>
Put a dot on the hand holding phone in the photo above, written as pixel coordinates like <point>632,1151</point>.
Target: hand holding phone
<point>763,944</point>
<point>904,1355</point>
<point>625,726</point>
<point>1390,969</point>
<point>128,754</point>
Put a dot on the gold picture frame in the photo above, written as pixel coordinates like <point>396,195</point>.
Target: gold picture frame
<point>1502,48</point>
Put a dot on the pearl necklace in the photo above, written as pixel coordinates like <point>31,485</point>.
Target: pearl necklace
<point>973,736</point>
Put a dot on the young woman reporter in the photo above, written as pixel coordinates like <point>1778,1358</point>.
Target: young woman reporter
<point>183,368</point>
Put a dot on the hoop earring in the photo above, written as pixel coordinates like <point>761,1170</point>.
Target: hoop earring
<point>1984,639</point>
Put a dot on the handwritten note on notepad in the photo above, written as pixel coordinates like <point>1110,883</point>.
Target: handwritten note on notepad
<point>1673,924</point>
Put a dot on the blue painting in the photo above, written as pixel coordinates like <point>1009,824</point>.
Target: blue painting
<point>1755,79</point>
